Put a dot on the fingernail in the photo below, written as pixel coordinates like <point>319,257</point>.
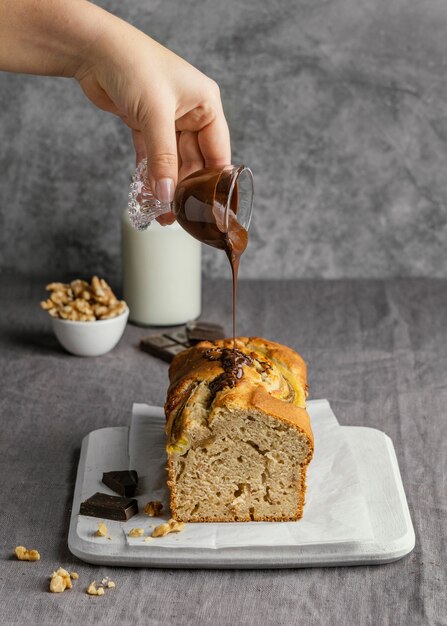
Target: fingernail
<point>164,189</point>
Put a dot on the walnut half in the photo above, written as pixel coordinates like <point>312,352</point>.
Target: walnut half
<point>26,555</point>
<point>173,526</point>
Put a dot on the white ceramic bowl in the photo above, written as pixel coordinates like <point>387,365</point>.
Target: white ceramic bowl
<point>90,338</point>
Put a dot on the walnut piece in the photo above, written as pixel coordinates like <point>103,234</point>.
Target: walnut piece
<point>61,580</point>
<point>153,508</point>
<point>26,555</point>
<point>98,590</point>
<point>92,590</point>
<point>57,584</point>
<point>83,302</point>
<point>74,575</point>
<point>173,526</point>
<point>102,530</point>
<point>136,532</point>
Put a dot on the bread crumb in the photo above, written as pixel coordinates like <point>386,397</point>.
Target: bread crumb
<point>102,530</point>
<point>26,555</point>
<point>74,575</point>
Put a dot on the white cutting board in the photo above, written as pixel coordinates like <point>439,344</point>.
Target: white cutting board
<point>372,452</point>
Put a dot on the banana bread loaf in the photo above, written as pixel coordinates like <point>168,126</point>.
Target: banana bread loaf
<point>239,436</point>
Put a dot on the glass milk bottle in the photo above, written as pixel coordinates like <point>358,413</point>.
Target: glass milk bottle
<point>161,274</point>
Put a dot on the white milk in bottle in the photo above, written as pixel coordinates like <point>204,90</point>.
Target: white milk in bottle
<point>161,274</point>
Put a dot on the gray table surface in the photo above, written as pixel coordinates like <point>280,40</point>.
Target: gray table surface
<point>376,350</point>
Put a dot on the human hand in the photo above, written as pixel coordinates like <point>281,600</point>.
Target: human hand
<point>174,111</point>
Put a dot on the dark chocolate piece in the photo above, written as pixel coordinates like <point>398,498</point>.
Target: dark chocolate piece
<point>161,346</point>
<point>169,344</point>
<point>158,346</point>
<point>173,350</point>
<point>123,482</point>
<point>158,341</point>
<point>178,336</point>
<point>109,507</point>
<point>204,331</point>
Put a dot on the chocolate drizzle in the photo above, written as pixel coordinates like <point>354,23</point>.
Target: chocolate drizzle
<point>232,361</point>
<point>235,244</point>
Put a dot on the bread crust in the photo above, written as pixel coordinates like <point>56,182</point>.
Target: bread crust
<point>276,385</point>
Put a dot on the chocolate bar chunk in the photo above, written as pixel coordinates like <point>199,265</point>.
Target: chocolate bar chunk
<point>161,346</point>
<point>169,344</point>
<point>178,336</point>
<point>109,507</point>
<point>158,341</point>
<point>197,330</point>
<point>123,482</point>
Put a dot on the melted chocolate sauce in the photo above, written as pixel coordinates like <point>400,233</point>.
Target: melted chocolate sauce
<point>200,208</point>
<point>235,244</point>
<point>232,362</point>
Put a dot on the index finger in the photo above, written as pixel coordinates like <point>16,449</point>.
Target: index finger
<point>214,142</point>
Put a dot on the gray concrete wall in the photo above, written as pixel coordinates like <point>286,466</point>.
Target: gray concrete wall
<point>339,107</point>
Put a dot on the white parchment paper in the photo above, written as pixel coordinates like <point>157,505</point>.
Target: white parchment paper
<point>335,510</point>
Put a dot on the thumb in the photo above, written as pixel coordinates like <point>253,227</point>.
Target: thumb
<point>161,148</point>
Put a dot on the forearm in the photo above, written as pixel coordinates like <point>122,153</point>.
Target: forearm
<point>48,37</point>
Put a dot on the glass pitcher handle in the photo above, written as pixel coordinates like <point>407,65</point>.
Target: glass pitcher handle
<point>143,206</point>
